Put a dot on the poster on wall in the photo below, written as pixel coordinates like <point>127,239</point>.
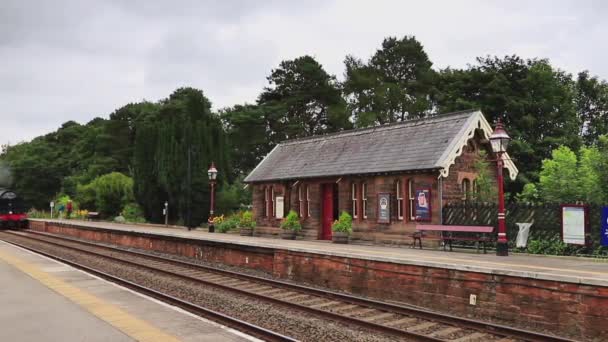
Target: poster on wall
<point>384,208</point>
<point>280,205</point>
<point>604,226</point>
<point>423,204</point>
<point>574,225</point>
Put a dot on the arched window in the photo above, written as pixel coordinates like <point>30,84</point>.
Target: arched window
<point>364,199</point>
<point>399,196</point>
<point>466,189</point>
<point>354,200</point>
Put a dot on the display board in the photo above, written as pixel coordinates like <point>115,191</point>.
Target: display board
<point>423,204</point>
<point>574,227</point>
<point>384,208</point>
<point>280,206</point>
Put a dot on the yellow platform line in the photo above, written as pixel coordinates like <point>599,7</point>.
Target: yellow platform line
<point>132,326</point>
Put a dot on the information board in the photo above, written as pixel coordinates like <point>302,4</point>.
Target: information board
<point>604,226</point>
<point>384,208</point>
<point>574,224</point>
<point>423,204</point>
<point>280,205</point>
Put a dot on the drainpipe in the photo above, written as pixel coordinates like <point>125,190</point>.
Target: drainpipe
<point>440,179</point>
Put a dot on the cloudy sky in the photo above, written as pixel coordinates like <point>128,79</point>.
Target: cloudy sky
<point>77,59</point>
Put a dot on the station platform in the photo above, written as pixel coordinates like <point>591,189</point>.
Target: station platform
<point>563,295</point>
<point>44,300</point>
<point>577,270</point>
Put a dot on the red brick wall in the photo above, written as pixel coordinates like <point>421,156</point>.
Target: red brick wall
<point>574,310</point>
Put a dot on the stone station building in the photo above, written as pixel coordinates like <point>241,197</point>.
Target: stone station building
<point>389,178</point>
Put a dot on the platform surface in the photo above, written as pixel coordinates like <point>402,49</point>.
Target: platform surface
<point>565,269</point>
<point>43,300</point>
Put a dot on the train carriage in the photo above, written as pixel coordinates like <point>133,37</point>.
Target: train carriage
<point>12,210</point>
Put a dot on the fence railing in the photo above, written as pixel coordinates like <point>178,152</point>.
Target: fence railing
<point>546,220</point>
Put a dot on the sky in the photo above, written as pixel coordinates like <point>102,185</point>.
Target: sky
<point>76,60</point>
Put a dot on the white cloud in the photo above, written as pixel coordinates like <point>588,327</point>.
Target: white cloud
<point>70,60</point>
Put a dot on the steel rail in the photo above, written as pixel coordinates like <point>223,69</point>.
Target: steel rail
<point>482,326</point>
<point>235,323</point>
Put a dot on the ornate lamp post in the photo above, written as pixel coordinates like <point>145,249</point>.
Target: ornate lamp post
<point>212,173</point>
<point>500,140</point>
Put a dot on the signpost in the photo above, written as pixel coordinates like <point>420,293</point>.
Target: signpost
<point>604,226</point>
<point>384,207</point>
<point>52,206</point>
<point>423,204</point>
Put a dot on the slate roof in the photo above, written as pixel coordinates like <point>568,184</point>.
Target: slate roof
<point>406,146</point>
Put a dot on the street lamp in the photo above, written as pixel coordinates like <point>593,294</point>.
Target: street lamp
<point>500,140</point>
<point>212,173</point>
<point>166,213</point>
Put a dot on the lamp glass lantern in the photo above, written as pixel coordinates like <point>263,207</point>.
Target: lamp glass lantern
<point>212,172</point>
<point>499,138</point>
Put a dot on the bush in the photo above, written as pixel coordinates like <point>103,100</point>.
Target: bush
<point>226,224</point>
<point>246,220</point>
<point>291,222</point>
<point>549,247</point>
<point>343,224</point>
<point>109,193</point>
<point>132,212</point>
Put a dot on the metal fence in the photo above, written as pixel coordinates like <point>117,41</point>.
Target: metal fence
<point>546,220</point>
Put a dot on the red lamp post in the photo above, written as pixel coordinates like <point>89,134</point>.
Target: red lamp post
<point>212,173</point>
<point>500,140</point>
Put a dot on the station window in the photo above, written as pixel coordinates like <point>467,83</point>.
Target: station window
<point>399,197</point>
<point>364,200</point>
<point>301,201</point>
<point>266,213</point>
<point>307,201</point>
<point>272,201</point>
<point>410,187</point>
<point>466,189</point>
<point>354,200</point>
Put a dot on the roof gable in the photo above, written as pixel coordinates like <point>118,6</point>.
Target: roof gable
<point>423,144</point>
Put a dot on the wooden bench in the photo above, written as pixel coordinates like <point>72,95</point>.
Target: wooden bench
<point>478,234</point>
<point>92,216</point>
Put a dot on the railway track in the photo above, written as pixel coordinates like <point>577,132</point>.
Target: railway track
<point>391,319</point>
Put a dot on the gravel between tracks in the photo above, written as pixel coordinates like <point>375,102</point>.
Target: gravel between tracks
<point>274,317</point>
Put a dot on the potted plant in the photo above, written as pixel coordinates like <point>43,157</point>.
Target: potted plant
<point>342,228</point>
<point>247,224</point>
<point>291,226</point>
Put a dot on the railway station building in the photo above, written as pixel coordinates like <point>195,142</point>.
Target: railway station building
<point>389,178</point>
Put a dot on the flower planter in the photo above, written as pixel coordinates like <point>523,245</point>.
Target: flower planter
<point>339,237</point>
<point>246,231</point>
<point>288,234</point>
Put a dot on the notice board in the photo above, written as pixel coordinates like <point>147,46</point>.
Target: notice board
<point>574,224</point>
<point>384,208</point>
<point>280,205</point>
<point>604,225</point>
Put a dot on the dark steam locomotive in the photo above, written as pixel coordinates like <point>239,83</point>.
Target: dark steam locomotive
<point>12,210</point>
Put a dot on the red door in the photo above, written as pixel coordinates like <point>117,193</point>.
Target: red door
<point>328,211</point>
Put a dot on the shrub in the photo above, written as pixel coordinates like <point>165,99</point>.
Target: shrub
<point>246,220</point>
<point>132,212</point>
<point>226,224</point>
<point>291,222</point>
<point>343,224</point>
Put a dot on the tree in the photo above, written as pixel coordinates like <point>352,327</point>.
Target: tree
<point>559,181</point>
<point>173,149</point>
<point>535,101</point>
<point>592,107</point>
<point>397,83</point>
<point>109,193</point>
<point>302,100</point>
